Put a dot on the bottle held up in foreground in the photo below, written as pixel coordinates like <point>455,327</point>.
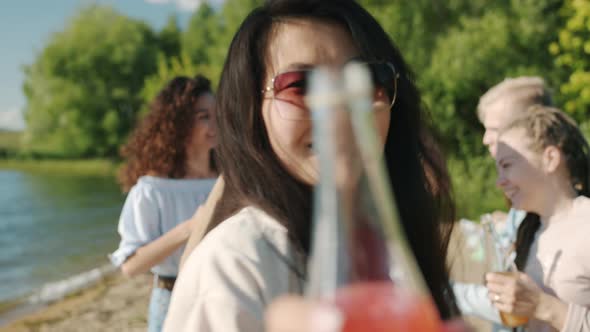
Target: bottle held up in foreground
<point>360,258</point>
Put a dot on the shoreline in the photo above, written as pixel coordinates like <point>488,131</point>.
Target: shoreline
<point>114,302</point>
<point>82,167</point>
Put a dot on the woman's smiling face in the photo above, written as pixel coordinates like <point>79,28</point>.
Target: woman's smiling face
<point>304,44</point>
<point>520,170</point>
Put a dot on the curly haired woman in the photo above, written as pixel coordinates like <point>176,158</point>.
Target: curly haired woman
<point>168,174</point>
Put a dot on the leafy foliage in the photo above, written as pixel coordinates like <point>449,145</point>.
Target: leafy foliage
<point>88,85</point>
<point>572,51</point>
<point>168,68</point>
<point>200,36</point>
<point>169,38</point>
<point>83,89</point>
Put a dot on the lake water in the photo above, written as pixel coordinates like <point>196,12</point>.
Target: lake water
<point>53,227</point>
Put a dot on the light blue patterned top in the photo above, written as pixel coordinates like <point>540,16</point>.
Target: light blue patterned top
<point>153,207</point>
<point>507,236</point>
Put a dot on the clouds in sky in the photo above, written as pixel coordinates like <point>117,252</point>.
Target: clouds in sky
<point>186,5</point>
<point>12,119</point>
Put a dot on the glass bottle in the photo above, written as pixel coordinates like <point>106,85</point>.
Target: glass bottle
<point>501,260</point>
<point>360,258</point>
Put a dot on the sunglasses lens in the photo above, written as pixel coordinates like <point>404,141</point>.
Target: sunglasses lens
<point>289,95</point>
<point>291,87</point>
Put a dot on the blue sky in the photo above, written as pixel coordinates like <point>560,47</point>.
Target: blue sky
<point>26,25</point>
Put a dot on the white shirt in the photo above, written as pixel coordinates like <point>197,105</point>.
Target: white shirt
<point>239,268</point>
<point>153,207</point>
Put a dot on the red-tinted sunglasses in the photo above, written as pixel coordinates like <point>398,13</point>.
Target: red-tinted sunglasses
<point>291,87</point>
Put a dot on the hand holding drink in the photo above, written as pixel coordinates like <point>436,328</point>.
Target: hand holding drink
<point>506,292</point>
<point>506,282</point>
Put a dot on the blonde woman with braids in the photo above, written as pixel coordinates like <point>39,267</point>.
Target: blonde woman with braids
<point>500,105</point>
<point>543,168</point>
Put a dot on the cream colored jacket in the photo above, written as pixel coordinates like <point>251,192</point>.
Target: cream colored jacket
<point>238,269</point>
<point>559,261</point>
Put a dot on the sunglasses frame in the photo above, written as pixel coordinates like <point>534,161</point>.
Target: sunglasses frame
<point>396,76</point>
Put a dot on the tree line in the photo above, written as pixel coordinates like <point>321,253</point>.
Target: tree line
<point>93,80</point>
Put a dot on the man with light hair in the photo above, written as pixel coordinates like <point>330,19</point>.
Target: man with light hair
<point>507,100</point>
<point>497,108</point>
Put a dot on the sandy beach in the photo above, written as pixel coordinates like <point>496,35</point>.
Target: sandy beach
<point>120,304</point>
<point>114,304</point>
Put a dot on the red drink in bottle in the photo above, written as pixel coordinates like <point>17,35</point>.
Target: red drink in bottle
<point>381,307</point>
<point>372,302</point>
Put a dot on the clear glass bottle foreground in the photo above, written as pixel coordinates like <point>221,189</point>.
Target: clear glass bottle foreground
<point>360,257</point>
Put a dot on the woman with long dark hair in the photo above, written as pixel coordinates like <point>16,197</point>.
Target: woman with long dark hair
<point>168,174</point>
<point>259,238</point>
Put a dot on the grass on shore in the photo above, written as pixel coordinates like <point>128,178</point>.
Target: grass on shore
<point>10,143</point>
<point>10,140</point>
<point>94,167</point>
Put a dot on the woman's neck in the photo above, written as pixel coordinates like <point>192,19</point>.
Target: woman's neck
<point>198,167</point>
<point>558,203</point>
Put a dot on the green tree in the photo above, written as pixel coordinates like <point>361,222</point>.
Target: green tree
<point>508,40</point>
<point>83,90</point>
<point>474,180</point>
<point>472,57</point>
<point>231,16</point>
<point>167,70</point>
<point>210,32</point>
<point>416,25</point>
<point>201,34</point>
<point>169,38</point>
<point>572,56</point>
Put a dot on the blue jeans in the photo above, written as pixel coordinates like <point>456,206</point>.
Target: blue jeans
<point>158,308</point>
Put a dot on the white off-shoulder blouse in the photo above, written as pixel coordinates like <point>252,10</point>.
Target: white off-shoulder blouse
<point>153,207</point>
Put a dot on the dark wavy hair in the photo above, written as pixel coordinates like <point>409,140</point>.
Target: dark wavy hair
<point>158,145</point>
<point>254,175</point>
